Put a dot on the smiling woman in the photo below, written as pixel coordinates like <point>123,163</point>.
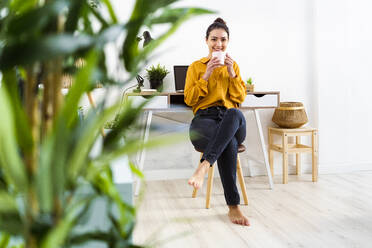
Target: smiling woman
<point>214,89</point>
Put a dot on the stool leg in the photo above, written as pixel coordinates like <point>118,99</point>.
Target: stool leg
<point>298,157</point>
<point>209,186</point>
<point>285,158</point>
<point>271,154</point>
<point>241,180</point>
<point>314,141</point>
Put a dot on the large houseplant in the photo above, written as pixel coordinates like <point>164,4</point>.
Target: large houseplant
<point>44,149</point>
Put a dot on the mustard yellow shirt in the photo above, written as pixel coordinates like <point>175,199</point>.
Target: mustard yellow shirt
<point>219,90</point>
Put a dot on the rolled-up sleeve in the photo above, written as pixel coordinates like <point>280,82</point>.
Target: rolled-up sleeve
<point>195,88</point>
<point>237,89</point>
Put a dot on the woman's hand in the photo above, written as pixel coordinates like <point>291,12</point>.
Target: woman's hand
<point>212,64</point>
<point>229,62</point>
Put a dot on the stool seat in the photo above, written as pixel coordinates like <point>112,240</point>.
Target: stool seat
<point>241,148</point>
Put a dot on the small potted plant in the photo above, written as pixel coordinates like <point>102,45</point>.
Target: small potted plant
<point>250,85</point>
<point>156,75</point>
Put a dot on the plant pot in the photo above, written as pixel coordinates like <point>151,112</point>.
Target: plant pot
<point>156,84</point>
<point>290,115</point>
<point>250,87</point>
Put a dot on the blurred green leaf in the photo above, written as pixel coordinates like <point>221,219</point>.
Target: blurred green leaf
<point>58,235</point>
<point>183,15</point>
<point>7,203</point>
<point>90,236</point>
<point>4,240</point>
<point>23,134</point>
<point>86,140</point>
<point>21,6</point>
<point>44,48</point>
<point>111,11</point>
<point>142,10</point>
<point>10,160</point>
<point>173,15</point>
<point>143,15</point>
<point>56,148</point>
<point>11,223</point>
<point>36,19</point>
<point>136,171</point>
<point>74,14</point>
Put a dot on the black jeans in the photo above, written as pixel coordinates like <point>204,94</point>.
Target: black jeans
<point>217,131</point>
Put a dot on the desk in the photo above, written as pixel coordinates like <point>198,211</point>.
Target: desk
<point>174,102</point>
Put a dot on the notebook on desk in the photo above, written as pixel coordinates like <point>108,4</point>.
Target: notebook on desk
<point>180,77</point>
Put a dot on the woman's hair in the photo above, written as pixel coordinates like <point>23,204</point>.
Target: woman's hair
<point>219,23</point>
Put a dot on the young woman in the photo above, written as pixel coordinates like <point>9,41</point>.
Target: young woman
<point>214,91</point>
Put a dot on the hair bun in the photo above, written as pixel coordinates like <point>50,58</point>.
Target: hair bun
<point>220,20</point>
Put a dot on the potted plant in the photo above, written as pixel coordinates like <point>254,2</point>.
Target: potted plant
<point>156,75</point>
<point>250,85</point>
<point>48,177</point>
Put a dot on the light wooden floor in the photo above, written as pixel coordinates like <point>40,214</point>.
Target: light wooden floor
<point>334,212</point>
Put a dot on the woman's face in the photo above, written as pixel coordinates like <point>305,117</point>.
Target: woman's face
<point>217,40</point>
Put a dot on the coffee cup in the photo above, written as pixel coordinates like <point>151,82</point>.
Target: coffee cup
<point>220,55</point>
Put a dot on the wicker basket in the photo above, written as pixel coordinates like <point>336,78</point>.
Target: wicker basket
<point>290,115</point>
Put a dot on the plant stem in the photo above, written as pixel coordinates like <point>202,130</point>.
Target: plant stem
<point>33,114</point>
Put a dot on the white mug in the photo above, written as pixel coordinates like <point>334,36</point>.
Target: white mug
<point>220,55</point>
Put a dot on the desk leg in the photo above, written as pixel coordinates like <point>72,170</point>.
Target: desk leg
<point>143,151</point>
<point>259,127</point>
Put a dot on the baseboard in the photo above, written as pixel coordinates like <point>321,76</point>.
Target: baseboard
<point>259,170</point>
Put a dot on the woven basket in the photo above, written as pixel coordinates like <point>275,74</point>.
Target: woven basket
<point>290,115</point>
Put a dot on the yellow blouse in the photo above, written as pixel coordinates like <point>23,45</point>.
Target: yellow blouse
<point>219,90</point>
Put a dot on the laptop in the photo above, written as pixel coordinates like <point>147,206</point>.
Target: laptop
<point>180,77</point>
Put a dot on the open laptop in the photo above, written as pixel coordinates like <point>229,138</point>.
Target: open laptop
<point>180,77</point>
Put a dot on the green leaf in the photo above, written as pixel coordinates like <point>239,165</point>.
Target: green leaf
<point>23,134</point>
<point>36,19</point>
<point>4,241</point>
<point>90,236</point>
<point>57,146</point>
<point>131,55</point>
<point>97,15</point>
<point>44,48</point>
<point>11,223</point>
<point>172,15</point>
<point>86,139</point>
<point>10,159</point>
<point>142,9</point>
<point>21,6</point>
<point>183,15</point>
<point>111,11</point>
<point>74,14</point>
<point>7,203</point>
<point>109,34</point>
<point>136,171</point>
<point>59,234</point>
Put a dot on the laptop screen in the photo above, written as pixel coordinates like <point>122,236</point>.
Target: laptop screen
<point>180,76</point>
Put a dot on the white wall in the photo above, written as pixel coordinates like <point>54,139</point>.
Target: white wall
<point>343,64</point>
<point>316,52</point>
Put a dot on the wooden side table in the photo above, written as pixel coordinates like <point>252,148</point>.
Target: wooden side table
<point>286,148</point>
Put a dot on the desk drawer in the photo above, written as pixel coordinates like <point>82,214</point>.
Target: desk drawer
<point>156,102</point>
<point>261,100</point>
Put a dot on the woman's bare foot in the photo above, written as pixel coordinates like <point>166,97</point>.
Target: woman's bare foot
<point>197,179</point>
<point>237,217</point>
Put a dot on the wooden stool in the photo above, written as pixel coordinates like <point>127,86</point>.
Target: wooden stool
<point>285,148</point>
<point>239,172</point>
